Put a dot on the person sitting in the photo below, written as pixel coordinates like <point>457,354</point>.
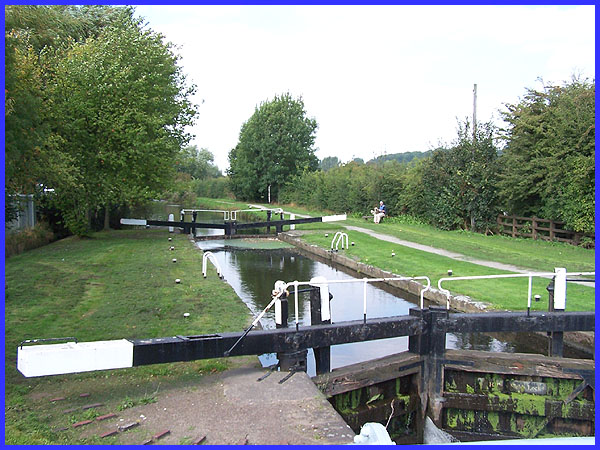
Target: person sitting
<point>379,213</point>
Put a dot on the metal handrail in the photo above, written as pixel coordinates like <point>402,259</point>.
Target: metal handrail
<point>280,286</point>
<point>340,235</point>
<point>209,256</point>
<point>529,275</point>
<point>230,214</point>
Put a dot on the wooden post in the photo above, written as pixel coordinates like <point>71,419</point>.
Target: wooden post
<point>268,220</point>
<point>555,341</point>
<point>552,230</point>
<point>323,354</point>
<point>534,225</point>
<point>514,227</point>
<point>435,364</point>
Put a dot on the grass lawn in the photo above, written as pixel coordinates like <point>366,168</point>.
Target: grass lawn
<point>537,256</point>
<point>117,284</point>
<point>510,294</point>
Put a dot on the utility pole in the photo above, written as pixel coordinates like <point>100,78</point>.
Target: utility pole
<point>474,142</point>
<point>474,113</point>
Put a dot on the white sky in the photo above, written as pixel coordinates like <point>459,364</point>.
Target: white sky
<point>377,79</point>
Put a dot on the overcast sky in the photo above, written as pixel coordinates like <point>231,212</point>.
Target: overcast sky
<point>377,79</point>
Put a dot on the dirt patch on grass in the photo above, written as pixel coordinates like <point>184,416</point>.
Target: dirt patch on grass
<point>221,407</point>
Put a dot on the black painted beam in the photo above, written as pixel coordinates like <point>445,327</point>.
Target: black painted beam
<point>189,348</point>
<point>167,223</point>
<point>517,322</point>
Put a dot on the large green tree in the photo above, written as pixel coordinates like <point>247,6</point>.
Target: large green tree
<point>120,106</point>
<point>456,187</point>
<point>34,36</point>
<point>275,144</point>
<point>548,163</point>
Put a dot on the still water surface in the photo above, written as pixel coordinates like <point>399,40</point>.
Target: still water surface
<point>252,266</point>
<point>252,270</point>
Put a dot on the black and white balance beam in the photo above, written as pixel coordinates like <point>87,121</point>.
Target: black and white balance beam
<point>167,223</point>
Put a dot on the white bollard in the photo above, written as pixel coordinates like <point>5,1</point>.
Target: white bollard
<point>171,219</point>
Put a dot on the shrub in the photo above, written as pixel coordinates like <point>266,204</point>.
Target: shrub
<point>30,238</point>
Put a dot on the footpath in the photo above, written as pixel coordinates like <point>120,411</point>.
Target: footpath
<point>441,252</point>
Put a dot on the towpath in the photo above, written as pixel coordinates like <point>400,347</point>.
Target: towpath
<point>438,251</point>
<point>434,250</point>
<point>449,254</point>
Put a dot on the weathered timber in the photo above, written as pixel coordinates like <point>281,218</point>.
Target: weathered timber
<point>189,348</point>
<point>517,363</point>
<point>379,411</point>
<point>502,403</point>
<point>367,373</point>
<point>510,321</point>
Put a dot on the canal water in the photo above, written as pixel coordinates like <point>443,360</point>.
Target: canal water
<point>252,266</point>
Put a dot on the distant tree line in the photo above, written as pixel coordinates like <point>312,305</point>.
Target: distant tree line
<point>540,163</point>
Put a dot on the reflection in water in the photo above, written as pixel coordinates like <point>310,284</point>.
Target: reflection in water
<point>253,272</point>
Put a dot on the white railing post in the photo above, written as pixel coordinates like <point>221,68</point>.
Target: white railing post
<point>296,301</point>
<point>365,300</point>
<point>560,283</point>
<point>560,288</point>
<point>529,288</point>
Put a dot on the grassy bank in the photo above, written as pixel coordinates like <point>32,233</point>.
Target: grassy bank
<point>118,284</point>
<point>538,256</point>
<point>510,294</point>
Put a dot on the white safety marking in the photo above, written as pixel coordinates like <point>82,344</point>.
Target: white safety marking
<point>71,357</point>
<point>333,218</point>
<point>278,312</point>
<point>171,219</point>
<point>560,288</point>
<point>133,221</point>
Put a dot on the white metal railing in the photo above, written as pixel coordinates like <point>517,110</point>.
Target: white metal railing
<point>339,236</point>
<point>208,256</point>
<point>281,287</point>
<point>231,214</point>
<point>560,290</point>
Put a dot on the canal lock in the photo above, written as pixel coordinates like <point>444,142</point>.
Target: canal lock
<point>476,406</point>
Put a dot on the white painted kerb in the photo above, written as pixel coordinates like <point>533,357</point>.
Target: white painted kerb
<point>71,357</point>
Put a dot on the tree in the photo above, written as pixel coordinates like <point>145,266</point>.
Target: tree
<point>275,144</point>
<point>34,37</point>
<point>456,188</point>
<point>197,163</point>
<point>120,106</point>
<point>329,162</point>
<point>548,163</point>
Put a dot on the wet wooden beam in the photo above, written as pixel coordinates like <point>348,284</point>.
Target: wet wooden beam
<point>359,375</point>
<point>492,402</point>
<point>517,363</point>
